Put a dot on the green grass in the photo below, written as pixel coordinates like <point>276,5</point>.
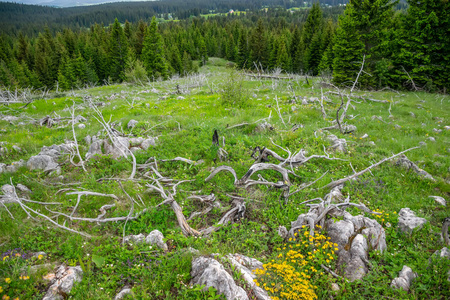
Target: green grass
<point>184,128</point>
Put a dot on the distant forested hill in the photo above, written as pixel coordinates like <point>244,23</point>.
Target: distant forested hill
<point>31,19</point>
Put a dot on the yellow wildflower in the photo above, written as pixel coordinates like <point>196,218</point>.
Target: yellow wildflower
<point>8,280</point>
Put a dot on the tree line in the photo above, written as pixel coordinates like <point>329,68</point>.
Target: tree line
<point>402,49</point>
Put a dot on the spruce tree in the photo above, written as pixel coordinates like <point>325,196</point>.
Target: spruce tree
<point>118,52</point>
<point>360,32</point>
<point>427,30</point>
<point>258,42</point>
<point>243,55</point>
<point>153,53</point>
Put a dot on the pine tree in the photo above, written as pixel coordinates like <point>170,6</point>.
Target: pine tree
<point>118,52</point>
<point>153,53</point>
<point>243,55</point>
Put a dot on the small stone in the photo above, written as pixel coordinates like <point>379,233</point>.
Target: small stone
<point>397,126</point>
<point>180,98</point>
<point>123,293</point>
<point>17,148</point>
<point>404,279</point>
<point>437,130</point>
<point>156,238</point>
<point>432,139</point>
<point>365,136</point>
<point>422,143</point>
<point>131,124</point>
<point>294,108</point>
<point>371,143</point>
<point>447,127</point>
<point>335,287</point>
<point>135,149</point>
<point>147,143</point>
<point>23,188</point>
<point>81,126</point>
<point>88,140</point>
<point>147,105</point>
<point>134,239</point>
<point>412,114</point>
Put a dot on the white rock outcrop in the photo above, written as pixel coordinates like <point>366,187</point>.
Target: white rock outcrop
<point>62,282</point>
<point>404,279</point>
<point>209,272</point>
<point>408,221</point>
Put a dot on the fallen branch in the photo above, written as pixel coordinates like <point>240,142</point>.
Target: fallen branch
<point>343,180</point>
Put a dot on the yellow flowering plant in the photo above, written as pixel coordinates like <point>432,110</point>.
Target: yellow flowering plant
<point>296,265</point>
<point>15,282</point>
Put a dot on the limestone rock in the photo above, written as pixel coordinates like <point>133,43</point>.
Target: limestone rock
<point>88,140</point>
<point>62,283</point>
<point>209,272</point>
<point>245,265</point>
<point>23,188</point>
<point>439,200</point>
<point>81,126</point>
<point>404,279</point>
<point>180,98</point>
<point>431,139</point>
<point>136,141</point>
<point>13,167</point>
<point>156,238</point>
<point>42,162</point>
<point>352,259</point>
<point>338,145</point>
<point>131,124</point>
<point>405,163</point>
<point>136,239</point>
<point>119,147</point>
<point>123,293</point>
<point>335,287</point>
<point>2,168</point>
<point>408,221</point>
<point>147,143</point>
<point>95,148</point>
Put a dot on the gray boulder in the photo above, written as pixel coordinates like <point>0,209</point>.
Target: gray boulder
<point>156,238</point>
<point>123,293</point>
<point>12,168</point>
<point>405,163</point>
<point>209,272</point>
<point>439,200</point>
<point>42,162</point>
<point>404,279</point>
<point>132,124</point>
<point>95,148</point>
<point>353,243</point>
<point>136,239</point>
<point>2,168</point>
<point>408,221</point>
<point>119,147</point>
<point>63,281</point>
<point>147,143</point>
<point>246,265</point>
<point>338,145</point>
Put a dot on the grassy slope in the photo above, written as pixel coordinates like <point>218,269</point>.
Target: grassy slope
<point>184,128</point>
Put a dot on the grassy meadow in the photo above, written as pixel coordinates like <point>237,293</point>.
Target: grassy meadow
<point>216,99</point>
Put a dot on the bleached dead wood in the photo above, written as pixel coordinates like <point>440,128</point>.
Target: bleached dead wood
<point>444,232</point>
<point>76,142</point>
<point>113,136</point>
<point>343,180</point>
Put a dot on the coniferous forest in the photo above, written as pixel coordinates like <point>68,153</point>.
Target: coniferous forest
<point>402,46</point>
